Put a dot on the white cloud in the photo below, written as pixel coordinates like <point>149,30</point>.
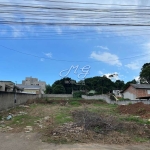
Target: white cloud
<point>133,65</point>
<point>103,47</point>
<point>113,76</point>
<point>137,79</point>
<point>106,57</point>
<point>49,55</point>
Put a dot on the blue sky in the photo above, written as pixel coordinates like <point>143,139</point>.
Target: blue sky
<point>44,51</point>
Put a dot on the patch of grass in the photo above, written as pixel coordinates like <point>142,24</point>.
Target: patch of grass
<point>23,120</point>
<point>140,139</point>
<point>1,118</point>
<point>32,106</point>
<point>62,117</point>
<point>135,119</point>
<point>74,103</point>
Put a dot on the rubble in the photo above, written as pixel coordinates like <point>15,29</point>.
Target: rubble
<point>28,129</point>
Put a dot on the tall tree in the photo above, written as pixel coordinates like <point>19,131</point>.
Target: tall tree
<point>59,89</point>
<point>145,73</point>
<point>48,89</point>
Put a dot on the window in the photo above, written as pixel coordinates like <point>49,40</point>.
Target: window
<point>148,91</point>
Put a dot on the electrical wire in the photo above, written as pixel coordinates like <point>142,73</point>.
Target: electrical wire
<point>62,60</point>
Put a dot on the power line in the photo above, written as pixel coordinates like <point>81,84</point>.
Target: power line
<point>61,60</point>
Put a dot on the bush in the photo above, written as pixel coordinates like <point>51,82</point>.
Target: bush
<point>78,94</point>
<point>90,94</point>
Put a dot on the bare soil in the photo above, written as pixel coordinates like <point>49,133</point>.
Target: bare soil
<point>138,109</point>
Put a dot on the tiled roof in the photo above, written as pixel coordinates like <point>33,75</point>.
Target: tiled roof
<point>141,86</point>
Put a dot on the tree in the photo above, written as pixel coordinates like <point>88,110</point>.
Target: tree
<point>59,89</point>
<point>145,73</point>
<point>119,84</point>
<point>68,86</point>
<point>48,89</point>
<point>128,83</point>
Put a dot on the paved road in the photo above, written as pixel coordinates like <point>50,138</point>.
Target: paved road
<point>31,141</point>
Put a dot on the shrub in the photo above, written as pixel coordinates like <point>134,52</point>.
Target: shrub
<point>78,94</point>
<point>90,94</point>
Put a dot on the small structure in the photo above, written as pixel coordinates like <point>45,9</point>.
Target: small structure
<point>30,89</point>
<point>9,86</point>
<point>6,86</point>
<point>137,91</point>
<point>117,93</point>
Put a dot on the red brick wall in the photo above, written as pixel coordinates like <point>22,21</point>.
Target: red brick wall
<point>137,92</point>
<point>142,93</point>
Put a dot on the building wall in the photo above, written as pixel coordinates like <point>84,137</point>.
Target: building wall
<point>109,101</point>
<point>32,91</point>
<point>7,99</point>
<point>3,86</point>
<point>132,93</point>
<point>34,81</point>
<point>143,92</point>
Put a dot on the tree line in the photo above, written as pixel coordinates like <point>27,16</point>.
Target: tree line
<point>101,85</point>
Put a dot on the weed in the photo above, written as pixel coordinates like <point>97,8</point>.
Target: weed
<point>139,139</point>
<point>62,118</point>
<point>23,120</point>
<point>135,119</point>
<point>1,118</point>
<point>75,103</point>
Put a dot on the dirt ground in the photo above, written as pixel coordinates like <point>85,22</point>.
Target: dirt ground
<point>138,109</point>
<point>61,125</point>
<point>31,141</point>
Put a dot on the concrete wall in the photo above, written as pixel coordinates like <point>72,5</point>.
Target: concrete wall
<point>7,99</point>
<point>98,97</point>
<point>132,93</point>
<point>108,100</point>
<point>58,95</point>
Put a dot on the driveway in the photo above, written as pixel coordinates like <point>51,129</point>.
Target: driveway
<point>31,141</point>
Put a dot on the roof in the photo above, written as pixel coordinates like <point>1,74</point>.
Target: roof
<point>138,86</point>
<point>28,86</point>
<point>8,82</point>
<point>141,86</point>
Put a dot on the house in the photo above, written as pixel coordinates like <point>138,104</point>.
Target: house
<point>137,91</point>
<point>31,89</point>
<point>9,86</point>
<point>6,86</point>
<point>34,81</point>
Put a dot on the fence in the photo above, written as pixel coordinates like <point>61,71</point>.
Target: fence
<point>57,95</point>
<point>10,99</point>
<point>108,100</point>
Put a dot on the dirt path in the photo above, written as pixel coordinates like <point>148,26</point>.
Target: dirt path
<point>31,141</point>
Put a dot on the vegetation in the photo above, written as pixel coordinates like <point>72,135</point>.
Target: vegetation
<point>48,89</point>
<point>59,89</point>
<point>145,73</point>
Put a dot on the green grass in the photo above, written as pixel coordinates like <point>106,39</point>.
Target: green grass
<point>135,119</point>
<point>141,140</point>
<point>23,120</point>
<point>62,118</point>
<point>1,118</point>
<point>74,103</point>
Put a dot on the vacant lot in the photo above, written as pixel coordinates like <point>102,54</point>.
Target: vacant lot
<point>76,121</point>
